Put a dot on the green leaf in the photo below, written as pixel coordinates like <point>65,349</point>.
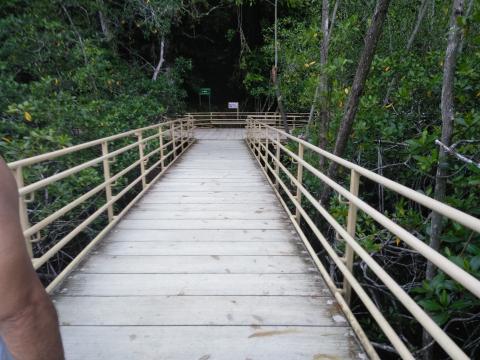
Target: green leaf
<point>430,305</point>
<point>441,318</point>
<point>475,263</point>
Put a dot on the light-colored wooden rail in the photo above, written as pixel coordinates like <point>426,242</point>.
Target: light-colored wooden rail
<point>216,119</point>
<point>173,138</point>
<point>266,145</point>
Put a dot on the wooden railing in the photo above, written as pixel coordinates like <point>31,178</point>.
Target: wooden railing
<point>267,144</point>
<point>234,119</point>
<point>168,141</point>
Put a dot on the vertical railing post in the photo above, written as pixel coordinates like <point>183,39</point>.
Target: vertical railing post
<point>182,135</point>
<point>277,162</point>
<point>142,161</point>
<point>23,210</point>
<point>351,225</point>
<point>108,185</point>
<point>172,135</point>
<point>300,181</point>
<point>266,149</point>
<point>259,139</point>
<point>160,139</point>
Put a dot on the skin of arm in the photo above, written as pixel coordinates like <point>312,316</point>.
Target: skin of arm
<point>28,320</point>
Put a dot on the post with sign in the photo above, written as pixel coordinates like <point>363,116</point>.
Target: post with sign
<point>234,105</point>
<point>205,92</point>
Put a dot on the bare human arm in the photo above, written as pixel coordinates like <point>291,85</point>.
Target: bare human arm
<point>28,320</point>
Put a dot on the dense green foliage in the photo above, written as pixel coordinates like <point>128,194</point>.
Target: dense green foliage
<point>394,134</point>
<point>63,81</point>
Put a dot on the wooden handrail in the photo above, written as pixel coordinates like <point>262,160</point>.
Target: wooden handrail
<point>180,136</point>
<point>262,137</point>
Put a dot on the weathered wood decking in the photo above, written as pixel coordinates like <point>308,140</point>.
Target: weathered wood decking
<point>206,266</point>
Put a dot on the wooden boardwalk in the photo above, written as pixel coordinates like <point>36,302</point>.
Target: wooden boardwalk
<point>205,266</point>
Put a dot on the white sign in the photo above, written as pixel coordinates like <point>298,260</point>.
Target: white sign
<point>233,105</point>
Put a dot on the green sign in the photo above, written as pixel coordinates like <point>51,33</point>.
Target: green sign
<point>205,91</point>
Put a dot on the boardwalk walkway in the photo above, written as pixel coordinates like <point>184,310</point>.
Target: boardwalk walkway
<point>205,266</point>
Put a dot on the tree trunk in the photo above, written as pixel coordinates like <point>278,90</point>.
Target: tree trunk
<point>467,14</point>
<point>104,26</point>
<point>161,60</point>
<point>363,68</point>
<point>278,94</point>
<point>322,87</point>
<point>323,80</point>
<point>421,15</point>
<point>447,108</point>
<point>448,113</point>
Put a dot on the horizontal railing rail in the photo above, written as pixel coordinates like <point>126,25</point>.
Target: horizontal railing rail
<point>168,140</point>
<point>214,119</point>
<point>265,142</point>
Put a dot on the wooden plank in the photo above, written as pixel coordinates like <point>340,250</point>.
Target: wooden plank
<point>199,310</point>
<point>194,284</point>
<point>243,208</point>
<point>197,264</point>
<point>218,173</point>
<point>215,181</point>
<point>208,198</point>
<point>258,188</point>
<point>205,200</point>
<point>201,235</point>
<point>233,175</point>
<point>208,343</point>
<point>200,248</point>
<point>175,214</point>
<point>160,224</point>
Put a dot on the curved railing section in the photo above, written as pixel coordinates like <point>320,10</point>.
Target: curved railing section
<point>145,154</point>
<point>265,142</point>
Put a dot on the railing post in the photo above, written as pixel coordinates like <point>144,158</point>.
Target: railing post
<point>106,175</point>
<point>181,134</point>
<point>23,211</point>
<point>300,180</point>
<point>277,163</point>
<point>172,135</point>
<point>190,130</point>
<point>259,140</point>
<point>266,149</point>
<point>351,225</point>
<point>142,161</point>
<point>160,138</point>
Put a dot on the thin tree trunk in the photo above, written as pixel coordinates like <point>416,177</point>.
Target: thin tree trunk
<point>448,113</point>
<point>363,68</point>
<point>322,87</point>
<point>324,119</point>
<point>276,84</point>
<point>467,14</point>
<point>447,107</point>
<point>421,15</point>
<point>161,60</point>
<point>104,26</point>
<point>278,94</point>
